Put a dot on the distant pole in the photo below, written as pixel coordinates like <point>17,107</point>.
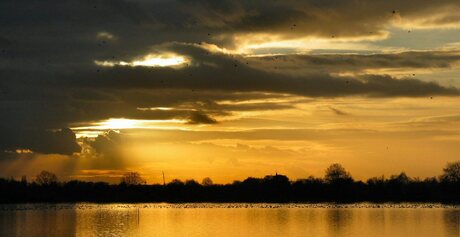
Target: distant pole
<point>164,182</point>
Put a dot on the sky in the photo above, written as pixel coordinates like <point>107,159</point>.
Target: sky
<point>228,89</point>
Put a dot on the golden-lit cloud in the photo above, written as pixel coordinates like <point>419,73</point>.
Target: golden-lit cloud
<point>103,35</point>
<point>265,44</point>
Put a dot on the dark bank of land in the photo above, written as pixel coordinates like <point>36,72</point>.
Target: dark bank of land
<point>336,186</point>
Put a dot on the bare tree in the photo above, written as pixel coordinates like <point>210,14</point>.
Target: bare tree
<point>132,178</point>
<point>451,173</point>
<point>46,178</point>
<point>207,182</point>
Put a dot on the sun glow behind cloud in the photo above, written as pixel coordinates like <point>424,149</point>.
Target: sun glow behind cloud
<point>96,128</point>
<point>150,60</point>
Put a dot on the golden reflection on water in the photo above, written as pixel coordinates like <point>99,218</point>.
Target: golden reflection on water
<point>111,220</point>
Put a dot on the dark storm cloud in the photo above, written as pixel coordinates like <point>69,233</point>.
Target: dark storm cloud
<point>48,78</point>
<point>225,73</point>
<point>355,63</point>
<point>60,97</point>
<point>48,31</point>
<point>107,145</point>
<point>40,141</point>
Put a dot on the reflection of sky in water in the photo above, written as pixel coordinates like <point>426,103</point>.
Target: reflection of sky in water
<point>122,220</point>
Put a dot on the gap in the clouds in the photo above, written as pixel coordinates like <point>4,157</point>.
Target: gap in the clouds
<point>405,38</point>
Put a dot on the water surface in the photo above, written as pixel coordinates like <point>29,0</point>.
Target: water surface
<point>267,220</point>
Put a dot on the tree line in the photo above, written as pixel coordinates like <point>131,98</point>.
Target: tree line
<point>337,185</point>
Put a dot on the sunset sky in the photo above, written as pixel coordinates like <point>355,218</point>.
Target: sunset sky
<point>228,89</point>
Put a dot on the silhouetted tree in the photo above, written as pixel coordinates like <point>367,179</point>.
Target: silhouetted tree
<point>24,179</point>
<point>376,181</point>
<point>337,174</point>
<point>277,180</point>
<point>311,180</point>
<point>46,178</point>
<point>191,182</point>
<point>338,187</point>
<point>451,173</point>
<point>207,182</point>
<point>401,179</point>
<point>176,182</point>
<point>132,178</point>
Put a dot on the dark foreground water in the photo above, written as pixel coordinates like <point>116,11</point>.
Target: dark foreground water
<point>267,220</point>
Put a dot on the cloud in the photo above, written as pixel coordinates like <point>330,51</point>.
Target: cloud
<point>337,111</point>
<point>291,134</point>
<point>452,120</point>
<point>40,141</point>
<point>200,118</point>
<point>62,97</point>
<point>35,32</point>
<point>105,151</point>
<point>50,80</point>
<point>236,76</point>
<point>106,143</point>
<point>358,63</point>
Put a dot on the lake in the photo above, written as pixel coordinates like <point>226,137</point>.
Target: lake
<point>267,220</point>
